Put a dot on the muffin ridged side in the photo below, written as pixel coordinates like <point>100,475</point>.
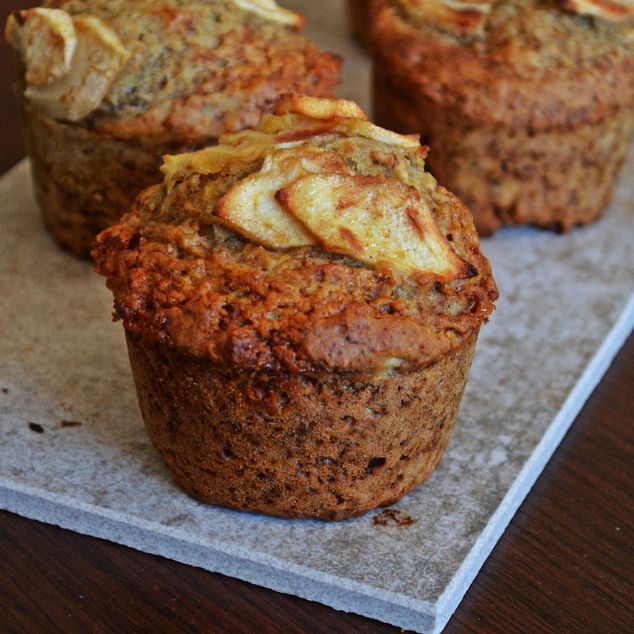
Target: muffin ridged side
<point>296,445</point>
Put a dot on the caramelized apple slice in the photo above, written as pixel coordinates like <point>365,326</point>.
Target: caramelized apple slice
<point>292,127</point>
<point>318,107</point>
<point>270,10</point>
<point>611,10</point>
<point>251,209</point>
<point>357,127</point>
<point>242,148</point>
<point>374,220</point>
<point>300,117</point>
<point>46,41</point>
<point>98,58</point>
<point>295,127</point>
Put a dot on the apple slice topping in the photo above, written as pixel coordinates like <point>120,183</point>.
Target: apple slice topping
<point>271,11</point>
<point>367,129</point>
<point>321,108</point>
<point>251,209</point>
<point>462,17</point>
<point>70,62</point>
<point>305,195</point>
<point>375,220</point>
<point>611,10</point>
<point>242,148</point>
<point>46,41</point>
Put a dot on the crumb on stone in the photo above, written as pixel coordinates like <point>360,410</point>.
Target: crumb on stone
<point>70,423</point>
<point>393,517</point>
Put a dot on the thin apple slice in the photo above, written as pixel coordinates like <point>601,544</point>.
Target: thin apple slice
<point>611,10</point>
<point>270,10</point>
<point>300,117</point>
<point>293,128</point>
<point>242,148</point>
<point>251,209</point>
<point>367,129</point>
<point>246,138</point>
<point>318,107</point>
<point>97,60</point>
<point>375,220</point>
<point>45,40</point>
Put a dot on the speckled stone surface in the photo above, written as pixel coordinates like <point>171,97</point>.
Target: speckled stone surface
<point>566,308</point>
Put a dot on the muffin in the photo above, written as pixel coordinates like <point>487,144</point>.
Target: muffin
<point>301,304</point>
<point>527,105</point>
<point>108,86</point>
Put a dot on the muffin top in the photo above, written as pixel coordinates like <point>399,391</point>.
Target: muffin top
<point>575,56</point>
<point>314,243</point>
<point>165,69</point>
<point>526,32</point>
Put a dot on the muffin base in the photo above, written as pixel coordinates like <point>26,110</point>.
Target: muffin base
<point>84,182</point>
<point>330,446</point>
<point>553,178</point>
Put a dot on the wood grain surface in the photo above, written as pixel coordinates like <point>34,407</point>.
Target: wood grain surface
<point>565,563</point>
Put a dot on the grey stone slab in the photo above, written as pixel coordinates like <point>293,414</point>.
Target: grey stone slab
<point>566,307</point>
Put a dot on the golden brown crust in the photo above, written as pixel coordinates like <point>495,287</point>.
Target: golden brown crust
<point>248,307</point>
<point>295,445</point>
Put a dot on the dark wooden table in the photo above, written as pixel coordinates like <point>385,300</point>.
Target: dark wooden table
<point>565,564</point>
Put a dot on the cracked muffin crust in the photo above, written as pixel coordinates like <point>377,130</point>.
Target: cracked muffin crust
<point>111,86</point>
<point>300,301</point>
<point>528,107</point>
